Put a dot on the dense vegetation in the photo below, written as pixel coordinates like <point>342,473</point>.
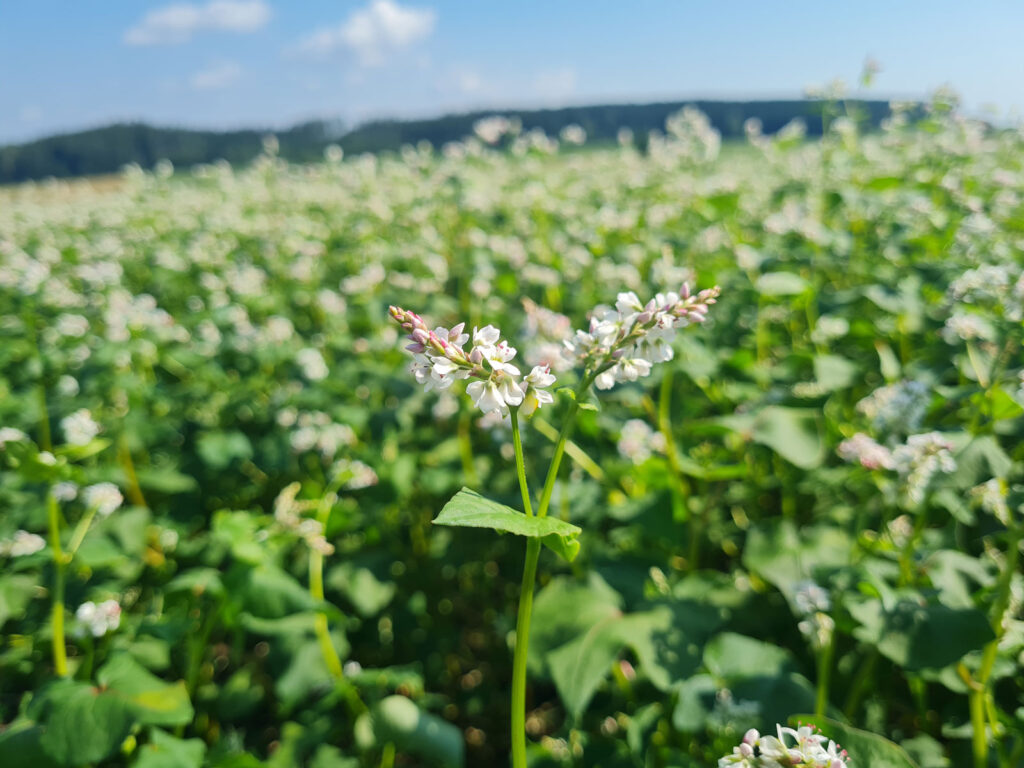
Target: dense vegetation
<point>218,475</point>
<point>108,149</point>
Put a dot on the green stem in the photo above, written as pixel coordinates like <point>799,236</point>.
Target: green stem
<point>518,733</point>
<point>824,676</point>
<point>316,591</point>
<point>563,436</point>
<point>979,737</point>
<point>321,625</point>
<point>518,716</point>
<point>517,443</point>
<point>60,658</point>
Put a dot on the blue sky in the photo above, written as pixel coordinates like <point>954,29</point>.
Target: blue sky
<point>229,63</point>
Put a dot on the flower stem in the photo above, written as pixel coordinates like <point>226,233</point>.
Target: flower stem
<point>518,717</point>
<point>518,733</point>
<point>517,443</point>
<point>60,658</point>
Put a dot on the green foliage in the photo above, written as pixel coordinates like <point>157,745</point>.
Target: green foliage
<point>816,504</point>
<point>468,509</point>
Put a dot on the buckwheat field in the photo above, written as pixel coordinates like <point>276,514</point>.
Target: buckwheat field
<point>522,450</point>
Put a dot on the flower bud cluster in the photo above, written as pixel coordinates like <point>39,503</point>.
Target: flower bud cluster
<point>622,344</point>
<point>288,511</point>
<point>440,359</point>
<point>801,747</point>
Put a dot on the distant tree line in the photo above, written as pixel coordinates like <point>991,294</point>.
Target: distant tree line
<point>108,149</point>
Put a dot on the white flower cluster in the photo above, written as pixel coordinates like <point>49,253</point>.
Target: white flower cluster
<point>439,360</point>
<point>638,442</point>
<point>801,747</point>
<point>992,284</point>
<point>991,496</point>
<point>358,475</point>
<point>105,497</point>
<point>312,364</point>
<point>20,544</point>
<point>623,343</point>
<point>315,430</point>
<point>897,408</point>
<point>79,428</point>
<point>11,435</point>
<point>920,459</point>
<point>491,129</point>
<point>917,460</point>
<point>100,619</point>
<point>812,604</point>
<point>966,326</point>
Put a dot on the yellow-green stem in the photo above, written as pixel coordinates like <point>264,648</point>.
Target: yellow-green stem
<point>60,658</point>
<point>316,590</point>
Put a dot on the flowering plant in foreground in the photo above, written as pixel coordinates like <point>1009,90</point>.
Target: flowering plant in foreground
<point>620,344</point>
<point>808,749</point>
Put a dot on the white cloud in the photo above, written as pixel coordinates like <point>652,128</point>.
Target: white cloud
<point>219,75</point>
<point>178,23</point>
<point>372,32</point>
<point>555,85</point>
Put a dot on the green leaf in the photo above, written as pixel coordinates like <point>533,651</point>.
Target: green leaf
<point>166,751</point>
<point>220,449</point>
<point>84,724</point>
<point>153,701</point>
<point>468,509</point>
<point>733,657</point>
<point>361,586</point>
<point>834,372</point>
<point>781,284</point>
<point>21,746</point>
<point>397,720</point>
<point>793,433</point>
<point>165,480</point>
<point>865,748</point>
<point>15,593</point>
<point>579,666</point>
<point>239,531</point>
<point>783,555</point>
<point>919,636</point>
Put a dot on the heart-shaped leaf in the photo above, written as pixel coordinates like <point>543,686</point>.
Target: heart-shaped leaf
<point>468,509</point>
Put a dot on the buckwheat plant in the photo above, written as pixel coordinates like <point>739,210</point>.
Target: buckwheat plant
<point>620,344</point>
<point>801,747</point>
